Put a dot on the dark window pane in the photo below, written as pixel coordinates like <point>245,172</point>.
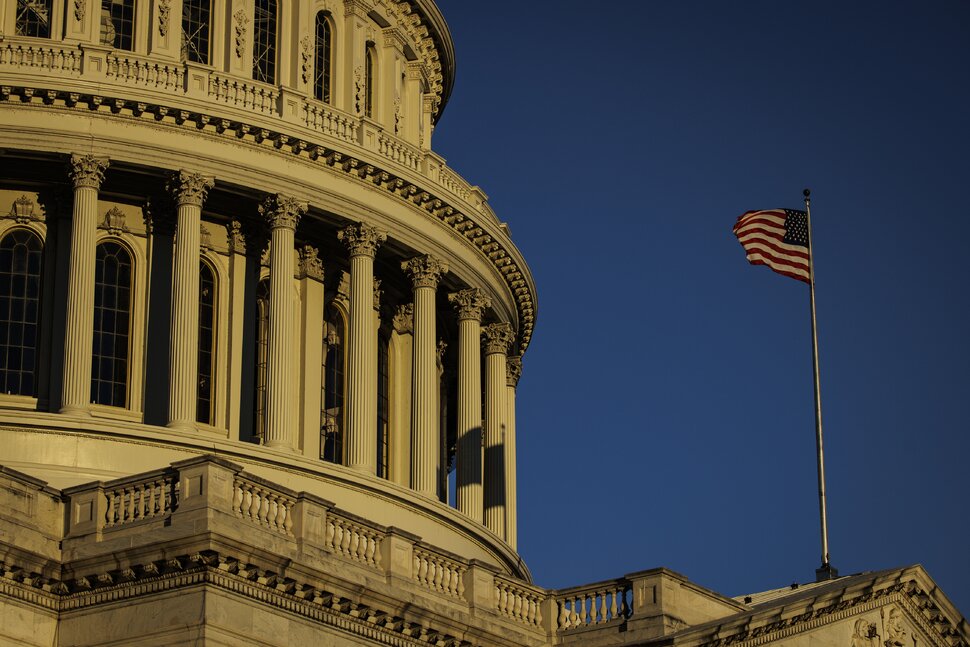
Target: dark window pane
<point>207,295</point>
<point>21,254</point>
<point>34,18</point>
<point>117,23</point>
<point>195,30</point>
<point>109,363</point>
<point>323,58</point>
<point>264,41</point>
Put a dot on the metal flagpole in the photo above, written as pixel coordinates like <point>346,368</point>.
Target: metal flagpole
<point>826,571</point>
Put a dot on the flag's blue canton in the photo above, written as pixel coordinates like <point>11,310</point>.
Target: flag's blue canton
<point>796,227</point>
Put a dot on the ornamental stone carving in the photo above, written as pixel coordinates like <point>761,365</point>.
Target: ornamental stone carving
<point>189,188</point>
<point>513,370</point>
<point>403,320</point>
<point>425,271</point>
<point>440,351</point>
<point>310,265</point>
<point>114,221</point>
<point>205,238</point>
<point>239,29</point>
<point>22,210</point>
<point>498,338</point>
<point>87,171</point>
<point>306,53</point>
<point>234,234</point>
<point>282,211</point>
<point>378,293</point>
<point>343,289</point>
<point>362,239</point>
<point>470,303</point>
<point>164,9</point>
<point>80,8</point>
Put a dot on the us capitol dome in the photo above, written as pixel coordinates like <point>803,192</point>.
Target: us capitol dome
<point>259,349</point>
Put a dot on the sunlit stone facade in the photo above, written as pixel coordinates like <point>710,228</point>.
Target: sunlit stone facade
<point>259,348</point>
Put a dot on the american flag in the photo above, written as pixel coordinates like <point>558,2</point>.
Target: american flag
<point>777,238</point>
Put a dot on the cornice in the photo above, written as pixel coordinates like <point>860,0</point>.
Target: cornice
<point>427,198</point>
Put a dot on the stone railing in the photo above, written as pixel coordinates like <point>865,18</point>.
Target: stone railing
<point>593,604</point>
<point>330,121</point>
<point>353,540</point>
<point>29,54</point>
<point>439,573</point>
<point>397,151</point>
<point>519,601</point>
<point>245,94</point>
<point>263,505</point>
<point>138,500</point>
<point>137,70</point>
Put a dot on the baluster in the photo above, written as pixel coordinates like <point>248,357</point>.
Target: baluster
<point>371,549</point>
<point>237,498</point>
<point>275,510</point>
<point>423,570</point>
<point>288,518</point>
<point>345,539</point>
<point>613,604</point>
<point>562,621</point>
<point>257,504</point>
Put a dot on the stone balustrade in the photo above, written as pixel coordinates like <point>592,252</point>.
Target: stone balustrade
<point>593,604</point>
<point>518,601</point>
<point>354,540</point>
<point>262,505</point>
<point>131,501</point>
<point>439,573</point>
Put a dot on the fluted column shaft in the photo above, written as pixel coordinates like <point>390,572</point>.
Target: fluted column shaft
<point>425,272</point>
<point>362,241</point>
<point>498,338</point>
<point>86,172</point>
<point>282,214</point>
<point>512,373</point>
<point>471,306</point>
<point>189,191</point>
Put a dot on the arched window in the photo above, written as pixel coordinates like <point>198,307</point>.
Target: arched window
<point>383,410</point>
<point>331,415</point>
<point>112,310</point>
<point>207,312</point>
<point>370,72</point>
<point>264,41</point>
<point>34,18</point>
<point>262,354</point>
<point>117,23</point>
<point>21,252</point>
<point>324,58</point>
<point>195,30</point>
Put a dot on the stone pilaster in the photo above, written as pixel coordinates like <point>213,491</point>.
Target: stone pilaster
<point>87,173</point>
<point>282,214</point>
<point>513,371</point>
<point>189,192</point>
<point>498,340</point>
<point>362,241</point>
<point>425,272</point>
<point>471,305</point>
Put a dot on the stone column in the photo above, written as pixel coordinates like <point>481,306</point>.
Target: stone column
<point>425,272</point>
<point>362,241</point>
<point>282,213</point>
<point>513,370</point>
<point>498,339</point>
<point>189,191</point>
<point>86,172</point>
<point>471,305</point>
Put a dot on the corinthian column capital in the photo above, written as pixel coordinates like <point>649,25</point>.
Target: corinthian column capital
<point>362,239</point>
<point>470,303</point>
<point>513,370</point>
<point>425,271</point>
<point>87,170</point>
<point>498,338</point>
<point>282,211</point>
<point>189,188</point>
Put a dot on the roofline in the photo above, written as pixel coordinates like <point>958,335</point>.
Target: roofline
<point>446,47</point>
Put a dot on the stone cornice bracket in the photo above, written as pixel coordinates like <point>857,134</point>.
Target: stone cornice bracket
<point>87,171</point>
<point>310,265</point>
<point>282,211</point>
<point>403,320</point>
<point>425,271</point>
<point>498,338</point>
<point>513,370</point>
<point>470,303</point>
<point>362,239</point>
<point>189,188</point>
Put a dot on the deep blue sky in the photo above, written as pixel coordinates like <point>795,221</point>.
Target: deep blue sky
<point>665,409</point>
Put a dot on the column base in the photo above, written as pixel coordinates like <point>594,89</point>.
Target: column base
<point>179,425</point>
<point>276,444</point>
<point>74,410</point>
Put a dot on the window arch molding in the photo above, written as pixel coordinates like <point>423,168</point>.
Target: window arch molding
<point>137,323</point>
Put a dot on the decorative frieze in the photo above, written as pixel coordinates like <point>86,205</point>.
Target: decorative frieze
<point>362,239</point>
<point>425,271</point>
<point>498,338</point>
<point>282,211</point>
<point>87,171</point>
<point>310,266</point>
<point>470,303</point>
<point>80,8</point>
<point>240,20</point>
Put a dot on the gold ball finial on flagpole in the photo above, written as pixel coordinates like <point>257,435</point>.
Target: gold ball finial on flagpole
<point>807,193</point>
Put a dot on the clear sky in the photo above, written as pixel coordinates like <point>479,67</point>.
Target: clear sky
<point>665,409</point>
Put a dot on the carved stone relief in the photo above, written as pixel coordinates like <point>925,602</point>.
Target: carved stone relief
<point>80,8</point>
<point>164,9</point>
<point>114,221</point>
<point>22,210</point>
<point>241,19</point>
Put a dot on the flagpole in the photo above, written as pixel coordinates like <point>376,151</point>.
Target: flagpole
<point>826,571</point>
